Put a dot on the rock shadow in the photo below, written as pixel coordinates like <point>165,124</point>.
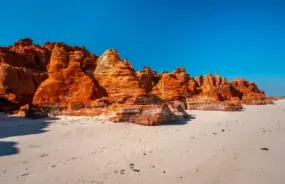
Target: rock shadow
<point>8,148</point>
<point>19,126</point>
<point>183,122</point>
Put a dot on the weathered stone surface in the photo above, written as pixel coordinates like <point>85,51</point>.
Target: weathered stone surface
<point>192,87</point>
<point>237,91</point>
<point>69,80</point>
<point>250,94</point>
<point>21,72</point>
<point>147,78</point>
<point>149,115</point>
<point>20,82</point>
<point>67,83</point>
<point>126,98</point>
<point>117,77</point>
<point>199,80</point>
<point>144,114</point>
<point>172,86</point>
<point>211,103</point>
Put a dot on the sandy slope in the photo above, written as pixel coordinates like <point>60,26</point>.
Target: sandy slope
<point>212,148</point>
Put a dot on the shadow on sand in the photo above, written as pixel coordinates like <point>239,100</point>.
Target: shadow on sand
<point>8,148</point>
<point>19,126</point>
<point>184,122</point>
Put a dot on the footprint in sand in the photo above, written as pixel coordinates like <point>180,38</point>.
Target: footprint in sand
<point>44,155</point>
<point>133,169</point>
<point>73,158</point>
<point>23,175</point>
<point>34,146</point>
<point>3,171</point>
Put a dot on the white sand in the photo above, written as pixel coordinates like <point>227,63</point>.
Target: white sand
<point>75,150</point>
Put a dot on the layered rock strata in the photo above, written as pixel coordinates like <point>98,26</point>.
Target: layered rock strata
<point>70,80</point>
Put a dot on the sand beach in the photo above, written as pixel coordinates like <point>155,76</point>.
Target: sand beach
<point>245,147</point>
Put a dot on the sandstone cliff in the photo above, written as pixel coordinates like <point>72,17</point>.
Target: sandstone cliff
<point>73,81</point>
<point>22,69</point>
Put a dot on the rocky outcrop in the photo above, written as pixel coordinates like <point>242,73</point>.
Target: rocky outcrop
<point>172,86</point>
<point>68,80</point>
<point>22,69</point>
<point>147,115</point>
<point>222,92</point>
<point>249,92</point>
<point>68,83</point>
<point>147,78</point>
<point>208,92</point>
<point>118,78</point>
<point>210,103</point>
<point>113,89</point>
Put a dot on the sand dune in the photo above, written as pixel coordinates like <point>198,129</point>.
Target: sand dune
<point>212,148</point>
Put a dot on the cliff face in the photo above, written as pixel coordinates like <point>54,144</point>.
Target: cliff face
<point>78,82</point>
<point>117,77</point>
<point>70,77</point>
<point>22,70</point>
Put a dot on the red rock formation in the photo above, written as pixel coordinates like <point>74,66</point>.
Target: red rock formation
<point>172,86</point>
<point>250,94</point>
<point>67,83</point>
<point>192,87</point>
<point>201,102</point>
<point>22,69</point>
<point>128,88</point>
<point>218,90</point>
<point>147,78</point>
<point>199,80</point>
<point>73,81</point>
<point>144,114</point>
<point>117,77</point>
<point>114,81</point>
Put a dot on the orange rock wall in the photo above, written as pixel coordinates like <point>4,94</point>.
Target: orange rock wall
<point>77,80</point>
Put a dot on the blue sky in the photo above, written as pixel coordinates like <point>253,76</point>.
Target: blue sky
<point>235,38</point>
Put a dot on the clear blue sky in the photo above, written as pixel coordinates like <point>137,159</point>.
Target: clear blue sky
<point>235,38</point>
